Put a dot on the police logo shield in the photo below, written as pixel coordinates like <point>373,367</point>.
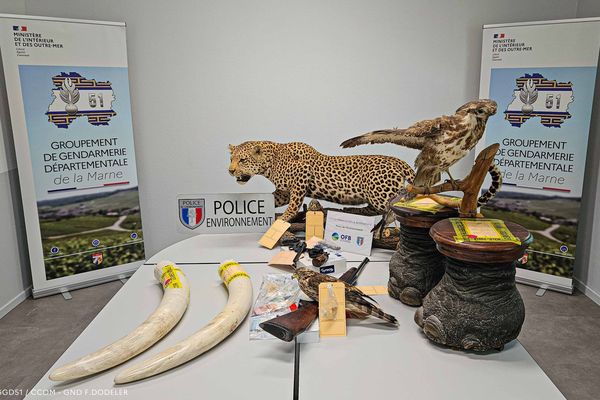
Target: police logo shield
<point>191,212</point>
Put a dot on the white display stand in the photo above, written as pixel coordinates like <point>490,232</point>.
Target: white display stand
<point>374,360</point>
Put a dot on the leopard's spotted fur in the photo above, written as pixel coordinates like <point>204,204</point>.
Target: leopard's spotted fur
<point>298,170</point>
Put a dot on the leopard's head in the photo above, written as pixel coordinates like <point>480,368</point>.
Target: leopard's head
<point>247,159</point>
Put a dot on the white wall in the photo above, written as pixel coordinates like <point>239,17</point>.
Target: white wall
<point>208,73</point>
<point>588,8</point>
<point>15,277</point>
<point>587,268</point>
<point>204,74</point>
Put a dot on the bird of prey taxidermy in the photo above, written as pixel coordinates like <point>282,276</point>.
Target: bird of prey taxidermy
<point>358,304</point>
<point>443,141</point>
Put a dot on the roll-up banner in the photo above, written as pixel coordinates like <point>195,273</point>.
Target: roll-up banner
<point>542,75</point>
<point>68,94</point>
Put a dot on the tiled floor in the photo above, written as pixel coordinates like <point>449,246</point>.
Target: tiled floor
<point>560,332</point>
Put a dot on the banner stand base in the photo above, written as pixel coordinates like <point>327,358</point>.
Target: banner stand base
<point>544,281</point>
<point>541,291</point>
<point>37,293</point>
<point>65,293</point>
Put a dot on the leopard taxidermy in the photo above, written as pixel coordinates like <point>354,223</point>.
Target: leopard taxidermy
<point>298,170</point>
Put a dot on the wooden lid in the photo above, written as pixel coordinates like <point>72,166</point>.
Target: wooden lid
<point>421,219</point>
<point>443,234</point>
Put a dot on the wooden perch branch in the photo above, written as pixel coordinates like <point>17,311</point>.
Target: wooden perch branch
<point>470,185</point>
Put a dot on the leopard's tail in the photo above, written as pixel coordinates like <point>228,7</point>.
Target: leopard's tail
<point>494,187</point>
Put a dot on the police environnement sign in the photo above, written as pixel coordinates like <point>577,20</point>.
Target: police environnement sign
<point>225,212</point>
<point>68,93</point>
<point>542,75</point>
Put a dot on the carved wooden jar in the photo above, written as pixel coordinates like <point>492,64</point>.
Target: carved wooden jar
<point>476,305</point>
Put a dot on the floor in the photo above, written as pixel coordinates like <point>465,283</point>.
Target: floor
<point>560,332</point>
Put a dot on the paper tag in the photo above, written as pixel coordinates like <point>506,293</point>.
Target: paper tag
<point>283,258</point>
<point>422,204</point>
<point>169,277</point>
<point>332,309</point>
<point>482,230</point>
<point>312,242</point>
<point>315,224</point>
<point>274,233</point>
<point>373,290</point>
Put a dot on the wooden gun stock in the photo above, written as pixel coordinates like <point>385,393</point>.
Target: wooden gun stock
<point>286,327</point>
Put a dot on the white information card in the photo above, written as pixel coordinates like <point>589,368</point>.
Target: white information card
<point>350,231</point>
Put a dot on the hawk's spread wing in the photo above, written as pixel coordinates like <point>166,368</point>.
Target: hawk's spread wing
<point>414,136</point>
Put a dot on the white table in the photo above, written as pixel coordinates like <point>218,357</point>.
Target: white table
<point>243,247</point>
<point>232,370</point>
<point>374,360</point>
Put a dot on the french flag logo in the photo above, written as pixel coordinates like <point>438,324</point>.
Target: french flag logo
<point>19,28</point>
<point>498,35</point>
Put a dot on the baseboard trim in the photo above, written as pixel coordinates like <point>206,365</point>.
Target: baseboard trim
<point>588,291</point>
<point>18,299</point>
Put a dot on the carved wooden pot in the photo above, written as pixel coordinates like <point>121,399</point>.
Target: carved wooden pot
<point>476,305</point>
<point>416,266</point>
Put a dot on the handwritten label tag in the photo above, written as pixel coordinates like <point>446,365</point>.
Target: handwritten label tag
<point>312,242</point>
<point>315,224</point>
<point>274,233</point>
<point>283,258</point>
<point>373,290</point>
<point>332,309</point>
<point>482,230</point>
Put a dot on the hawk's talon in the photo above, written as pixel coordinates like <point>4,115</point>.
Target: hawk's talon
<point>453,184</point>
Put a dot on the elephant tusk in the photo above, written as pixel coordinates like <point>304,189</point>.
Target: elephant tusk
<point>175,300</point>
<point>236,309</point>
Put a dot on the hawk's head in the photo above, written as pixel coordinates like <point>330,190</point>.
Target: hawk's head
<point>247,159</point>
<point>482,108</point>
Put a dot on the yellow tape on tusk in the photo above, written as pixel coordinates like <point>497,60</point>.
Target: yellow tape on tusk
<point>169,277</point>
<point>230,270</point>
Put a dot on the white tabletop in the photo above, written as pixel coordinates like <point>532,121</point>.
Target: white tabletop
<point>378,362</point>
<point>243,247</point>
<point>373,360</point>
<point>232,370</point>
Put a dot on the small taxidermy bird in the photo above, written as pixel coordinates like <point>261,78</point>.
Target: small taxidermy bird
<point>357,305</point>
<point>443,142</point>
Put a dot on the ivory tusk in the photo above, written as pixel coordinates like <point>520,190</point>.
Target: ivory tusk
<point>236,309</point>
<point>175,300</point>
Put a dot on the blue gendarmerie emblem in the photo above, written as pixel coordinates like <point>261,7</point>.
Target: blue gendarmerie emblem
<point>74,95</point>
<point>538,96</point>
